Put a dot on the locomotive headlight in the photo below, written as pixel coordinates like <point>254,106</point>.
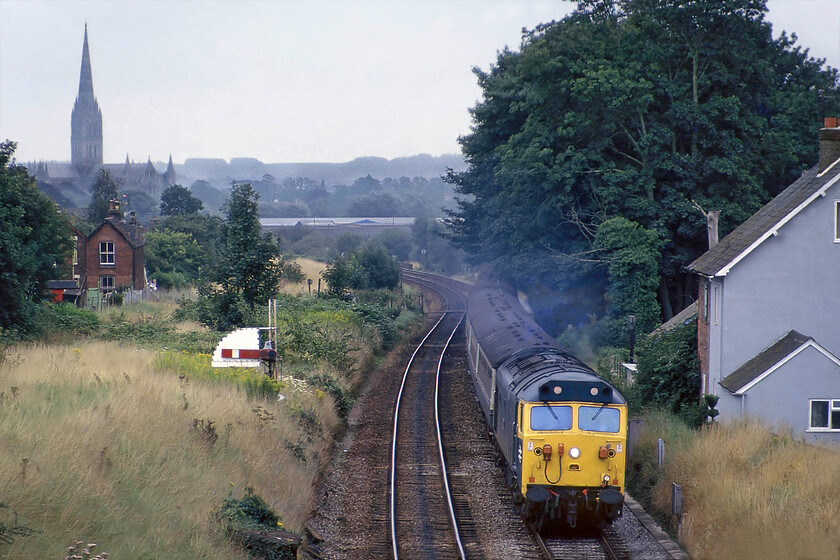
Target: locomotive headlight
<point>606,479</point>
<point>574,453</point>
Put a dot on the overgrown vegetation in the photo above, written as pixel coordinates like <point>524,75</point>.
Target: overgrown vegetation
<point>34,244</point>
<point>748,493</point>
<point>632,109</point>
<point>668,374</point>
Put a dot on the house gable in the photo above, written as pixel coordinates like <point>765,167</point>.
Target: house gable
<point>772,359</point>
<point>126,270</point>
<point>766,223</point>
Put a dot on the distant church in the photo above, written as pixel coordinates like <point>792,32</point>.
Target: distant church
<point>86,149</point>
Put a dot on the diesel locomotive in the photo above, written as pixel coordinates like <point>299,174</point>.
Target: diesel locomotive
<point>561,429</point>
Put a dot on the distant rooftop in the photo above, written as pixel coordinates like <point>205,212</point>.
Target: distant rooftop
<point>327,222</point>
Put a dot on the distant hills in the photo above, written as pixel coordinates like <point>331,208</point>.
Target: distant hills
<point>220,173</point>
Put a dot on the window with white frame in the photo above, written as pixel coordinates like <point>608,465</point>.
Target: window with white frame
<point>837,221</point>
<point>75,250</point>
<point>825,414</point>
<point>106,253</point>
<point>107,283</point>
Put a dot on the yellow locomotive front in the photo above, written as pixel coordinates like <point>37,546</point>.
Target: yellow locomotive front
<point>572,459</point>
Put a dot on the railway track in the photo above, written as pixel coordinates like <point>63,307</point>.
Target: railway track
<point>356,518</point>
<point>582,544</point>
<point>423,513</point>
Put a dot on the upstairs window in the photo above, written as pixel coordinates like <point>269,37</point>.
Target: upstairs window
<point>106,253</point>
<point>837,221</point>
<point>825,414</point>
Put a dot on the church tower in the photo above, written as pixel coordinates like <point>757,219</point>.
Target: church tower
<point>86,121</point>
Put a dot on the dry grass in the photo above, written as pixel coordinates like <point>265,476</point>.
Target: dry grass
<point>99,445</point>
<point>752,494</point>
<point>311,270</point>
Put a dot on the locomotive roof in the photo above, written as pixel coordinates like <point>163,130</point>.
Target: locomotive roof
<point>502,326</point>
<point>529,361</point>
<point>554,375</point>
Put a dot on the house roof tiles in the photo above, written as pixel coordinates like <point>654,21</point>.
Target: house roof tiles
<point>727,252</point>
<point>765,361</point>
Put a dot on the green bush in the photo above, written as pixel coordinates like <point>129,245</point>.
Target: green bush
<point>668,375</point>
<point>69,318</point>
<point>249,512</point>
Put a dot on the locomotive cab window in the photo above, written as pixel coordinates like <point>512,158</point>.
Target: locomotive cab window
<point>599,419</point>
<point>551,418</point>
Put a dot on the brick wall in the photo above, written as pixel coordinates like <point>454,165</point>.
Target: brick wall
<point>124,269</point>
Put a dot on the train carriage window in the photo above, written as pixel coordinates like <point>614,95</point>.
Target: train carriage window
<point>551,418</point>
<point>599,419</point>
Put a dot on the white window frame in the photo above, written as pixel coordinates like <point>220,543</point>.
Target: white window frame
<point>106,250</point>
<point>833,406</point>
<point>112,280</point>
<point>837,221</point>
<point>75,250</point>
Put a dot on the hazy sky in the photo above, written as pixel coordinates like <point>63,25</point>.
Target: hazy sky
<point>282,81</point>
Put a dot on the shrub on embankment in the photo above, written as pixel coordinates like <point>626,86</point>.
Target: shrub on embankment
<point>748,493</point>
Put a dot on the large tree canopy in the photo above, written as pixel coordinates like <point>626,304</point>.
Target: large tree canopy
<point>633,108</point>
<point>34,242</point>
<point>177,200</point>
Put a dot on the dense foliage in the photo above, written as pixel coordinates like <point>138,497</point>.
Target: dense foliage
<point>172,258</point>
<point>179,201</point>
<point>668,374</point>
<point>633,108</point>
<point>103,190</point>
<point>248,266</point>
<point>370,268</point>
<point>34,243</point>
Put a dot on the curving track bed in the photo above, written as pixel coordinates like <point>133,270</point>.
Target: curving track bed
<point>353,510</point>
<point>422,518</point>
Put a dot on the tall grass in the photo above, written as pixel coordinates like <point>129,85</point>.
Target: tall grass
<point>101,443</point>
<point>748,493</point>
<point>312,270</point>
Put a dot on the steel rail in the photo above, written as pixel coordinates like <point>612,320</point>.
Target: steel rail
<point>428,282</point>
<point>444,473</point>
<point>394,439</point>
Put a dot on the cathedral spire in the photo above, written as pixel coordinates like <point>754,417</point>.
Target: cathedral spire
<point>86,76</point>
<point>86,121</point>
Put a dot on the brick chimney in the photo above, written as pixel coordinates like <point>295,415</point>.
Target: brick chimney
<point>114,212</point>
<point>829,142</point>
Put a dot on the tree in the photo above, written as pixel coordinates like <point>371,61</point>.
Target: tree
<point>139,202</point>
<point>632,254</point>
<point>34,242</point>
<point>172,258</point>
<point>248,268</point>
<point>179,201</point>
<point>206,230</point>
<point>370,268</point>
<point>632,108</point>
<point>102,192</point>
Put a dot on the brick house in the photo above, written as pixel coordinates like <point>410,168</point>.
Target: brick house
<point>768,334</point>
<point>112,253</point>
<point>110,258</point>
